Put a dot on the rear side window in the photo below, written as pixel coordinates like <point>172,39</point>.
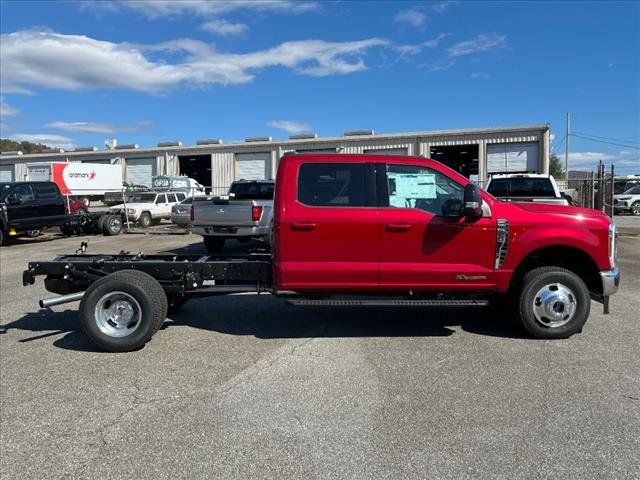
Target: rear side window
<point>180,196</point>
<point>521,187</point>
<point>333,185</point>
<point>46,190</point>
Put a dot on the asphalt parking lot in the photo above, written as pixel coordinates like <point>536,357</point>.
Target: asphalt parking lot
<point>241,387</point>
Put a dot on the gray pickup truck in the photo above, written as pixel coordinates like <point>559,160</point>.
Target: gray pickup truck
<point>526,187</point>
<point>246,213</point>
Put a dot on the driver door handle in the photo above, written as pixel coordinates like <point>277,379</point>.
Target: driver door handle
<point>303,226</point>
<point>398,227</point>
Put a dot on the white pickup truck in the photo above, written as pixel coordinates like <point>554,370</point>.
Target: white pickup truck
<point>526,187</point>
<point>149,207</point>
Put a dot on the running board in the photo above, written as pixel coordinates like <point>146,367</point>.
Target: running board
<point>304,302</point>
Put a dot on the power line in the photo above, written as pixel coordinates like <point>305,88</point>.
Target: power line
<point>633,147</point>
<point>557,144</point>
<point>611,139</point>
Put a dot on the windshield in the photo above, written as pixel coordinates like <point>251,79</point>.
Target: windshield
<point>142,198</point>
<point>633,191</point>
<point>251,191</point>
<point>521,187</point>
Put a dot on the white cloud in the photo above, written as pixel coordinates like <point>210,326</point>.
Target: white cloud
<point>441,7</point>
<point>290,126</point>
<point>50,60</point>
<point>414,17</point>
<point>7,110</point>
<point>485,42</point>
<point>625,162</point>
<point>94,127</point>
<point>418,48</point>
<point>49,139</point>
<point>224,28</point>
<point>481,76</point>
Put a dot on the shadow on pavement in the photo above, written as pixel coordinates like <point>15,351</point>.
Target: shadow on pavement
<point>270,318</point>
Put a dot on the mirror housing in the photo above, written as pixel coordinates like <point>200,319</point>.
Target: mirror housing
<point>472,207</point>
<point>14,199</point>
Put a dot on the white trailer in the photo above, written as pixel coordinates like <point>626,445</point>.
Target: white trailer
<point>86,181</point>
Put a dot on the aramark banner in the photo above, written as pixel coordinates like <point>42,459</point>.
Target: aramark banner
<point>86,178</point>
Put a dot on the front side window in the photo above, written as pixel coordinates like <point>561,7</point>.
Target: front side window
<point>25,192</point>
<point>415,186</point>
<point>333,185</point>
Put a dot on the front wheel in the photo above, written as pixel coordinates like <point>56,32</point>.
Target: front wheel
<point>112,225</point>
<point>145,220</point>
<point>635,208</point>
<point>554,303</point>
<point>122,311</point>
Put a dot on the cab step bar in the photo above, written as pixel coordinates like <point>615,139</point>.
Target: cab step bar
<point>305,302</point>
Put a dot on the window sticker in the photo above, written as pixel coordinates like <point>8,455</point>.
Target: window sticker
<point>406,186</point>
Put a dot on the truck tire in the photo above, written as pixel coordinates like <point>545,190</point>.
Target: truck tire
<point>635,208</point>
<point>122,311</point>
<point>111,225</point>
<point>554,303</point>
<point>145,220</point>
<point>214,244</point>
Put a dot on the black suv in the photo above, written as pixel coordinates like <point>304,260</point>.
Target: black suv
<point>26,206</point>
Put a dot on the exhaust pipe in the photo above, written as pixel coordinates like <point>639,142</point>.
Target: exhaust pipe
<point>50,302</point>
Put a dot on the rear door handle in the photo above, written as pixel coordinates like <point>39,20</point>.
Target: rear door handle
<point>303,226</point>
<point>398,227</point>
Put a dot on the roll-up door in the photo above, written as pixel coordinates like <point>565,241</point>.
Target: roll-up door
<point>253,166</point>
<point>140,171</point>
<point>6,173</point>
<point>39,173</point>
<point>387,151</point>
<point>513,157</point>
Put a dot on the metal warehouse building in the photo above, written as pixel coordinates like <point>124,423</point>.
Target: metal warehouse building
<point>476,153</point>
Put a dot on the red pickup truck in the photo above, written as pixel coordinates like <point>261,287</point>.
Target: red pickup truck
<point>366,230</point>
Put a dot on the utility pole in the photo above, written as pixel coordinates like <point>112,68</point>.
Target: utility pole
<point>566,151</point>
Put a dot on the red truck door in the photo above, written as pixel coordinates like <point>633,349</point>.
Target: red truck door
<point>424,242</point>
<point>327,230</point>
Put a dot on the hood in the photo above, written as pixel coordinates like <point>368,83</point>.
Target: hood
<point>561,209</point>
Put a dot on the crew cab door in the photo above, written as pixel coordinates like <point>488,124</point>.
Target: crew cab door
<point>25,212</point>
<point>425,241</point>
<point>50,203</point>
<point>327,231</point>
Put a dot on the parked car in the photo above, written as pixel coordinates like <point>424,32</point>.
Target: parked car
<point>26,208</point>
<point>181,213</point>
<point>247,213</point>
<point>115,198</point>
<point>149,208</point>
<point>628,202</point>
<point>526,187</point>
<point>368,231</point>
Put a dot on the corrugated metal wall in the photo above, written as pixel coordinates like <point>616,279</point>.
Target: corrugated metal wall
<point>222,171</point>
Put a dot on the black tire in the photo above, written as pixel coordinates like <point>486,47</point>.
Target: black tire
<point>573,289</point>
<point>144,289</point>
<point>112,225</point>
<point>67,230</point>
<point>635,208</point>
<point>176,303</point>
<point>214,244</point>
<point>145,220</point>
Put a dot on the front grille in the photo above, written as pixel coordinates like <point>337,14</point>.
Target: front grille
<point>502,242</point>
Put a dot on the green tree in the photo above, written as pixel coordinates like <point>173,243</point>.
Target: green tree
<point>7,145</point>
<point>555,167</point>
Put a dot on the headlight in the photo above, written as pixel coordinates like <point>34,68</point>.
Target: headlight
<point>131,211</point>
<point>613,245</point>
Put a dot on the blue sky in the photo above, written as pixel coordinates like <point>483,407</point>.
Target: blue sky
<point>75,73</point>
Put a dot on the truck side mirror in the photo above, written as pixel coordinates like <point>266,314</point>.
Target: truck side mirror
<point>14,199</point>
<point>472,207</point>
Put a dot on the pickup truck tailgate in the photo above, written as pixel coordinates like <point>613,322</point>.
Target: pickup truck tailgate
<point>219,212</point>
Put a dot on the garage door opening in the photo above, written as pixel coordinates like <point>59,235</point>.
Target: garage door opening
<point>197,167</point>
<point>461,158</point>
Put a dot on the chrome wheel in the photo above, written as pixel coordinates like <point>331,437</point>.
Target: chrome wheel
<point>635,208</point>
<point>554,305</point>
<point>118,314</point>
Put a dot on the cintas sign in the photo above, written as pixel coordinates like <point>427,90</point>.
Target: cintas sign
<point>86,178</point>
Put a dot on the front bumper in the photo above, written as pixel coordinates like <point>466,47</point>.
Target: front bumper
<point>610,281</point>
